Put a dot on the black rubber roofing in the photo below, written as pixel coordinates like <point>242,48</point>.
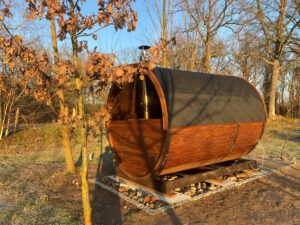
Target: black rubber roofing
<point>196,98</point>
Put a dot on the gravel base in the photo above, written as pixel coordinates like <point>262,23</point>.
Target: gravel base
<point>153,204</point>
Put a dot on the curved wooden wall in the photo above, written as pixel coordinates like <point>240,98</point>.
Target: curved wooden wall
<point>197,146</point>
<point>150,147</point>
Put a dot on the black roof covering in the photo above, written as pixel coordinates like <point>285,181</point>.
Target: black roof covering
<point>196,98</point>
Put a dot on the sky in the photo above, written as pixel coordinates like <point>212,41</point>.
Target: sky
<point>110,40</point>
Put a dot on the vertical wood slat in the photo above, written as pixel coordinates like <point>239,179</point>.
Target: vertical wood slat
<point>137,144</point>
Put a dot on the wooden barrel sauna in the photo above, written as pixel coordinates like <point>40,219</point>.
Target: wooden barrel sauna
<point>177,120</point>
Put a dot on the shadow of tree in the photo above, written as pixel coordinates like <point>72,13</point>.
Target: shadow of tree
<point>293,135</point>
<point>106,207</point>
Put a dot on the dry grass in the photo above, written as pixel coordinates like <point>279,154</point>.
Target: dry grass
<point>25,183</point>
<point>34,139</point>
<point>281,137</point>
<point>33,184</point>
<point>32,166</point>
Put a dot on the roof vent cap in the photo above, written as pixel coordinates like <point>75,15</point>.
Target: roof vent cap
<point>145,55</point>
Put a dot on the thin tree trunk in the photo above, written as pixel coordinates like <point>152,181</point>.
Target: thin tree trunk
<point>17,119</point>
<point>77,80</point>
<point>65,132</point>
<point>84,169</point>
<point>297,90</point>
<point>186,65</point>
<point>208,41</point>
<point>64,129</point>
<point>164,32</point>
<point>1,119</point>
<point>75,50</point>
<point>8,116</point>
<point>273,90</point>
<point>54,39</point>
<point>84,178</point>
<point>4,118</point>
<point>193,59</point>
<point>282,105</point>
<point>0,116</point>
<point>267,84</point>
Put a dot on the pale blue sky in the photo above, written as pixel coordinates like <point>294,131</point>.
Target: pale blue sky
<point>110,40</point>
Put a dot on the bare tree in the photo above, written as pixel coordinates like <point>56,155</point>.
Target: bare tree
<point>248,66</point>
<point>208,17</point>
<point>278,21</point>
<point>160,13</point>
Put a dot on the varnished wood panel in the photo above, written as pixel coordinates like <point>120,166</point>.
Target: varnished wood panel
<point>249,135</point>
<point>197,146</point>
<point>137,144</point>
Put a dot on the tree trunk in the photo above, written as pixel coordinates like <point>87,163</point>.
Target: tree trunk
<point>84,177</point>
<point>17,119</point>
<point>77,80</point>
<point>84,169</point>
<point>208,41</point>
<point>64,129</point>
<point>207,55</point>
<point>1,119</point>
<point>276,62</point>
<point>281,96</point>
<point>273,90</point>
<point>267,84</point>
<point>65,132</point>
<point>8,116</point>
<point>81,112</point>
<point>164,33</point>
<point>4,116</point>
<point>54,39</point>
<point>75,51</point>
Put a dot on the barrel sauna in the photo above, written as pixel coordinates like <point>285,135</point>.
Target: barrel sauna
<point>177,120</point>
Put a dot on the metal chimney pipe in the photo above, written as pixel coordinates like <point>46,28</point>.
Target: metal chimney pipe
<point>145,56</point>
<point>144,53</point>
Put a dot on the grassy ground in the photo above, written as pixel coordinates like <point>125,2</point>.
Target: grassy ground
<point>47,137</point>
<point>281,137</point>
<point>34,189</point>
<point>32,175</point>
<point>25,182</point>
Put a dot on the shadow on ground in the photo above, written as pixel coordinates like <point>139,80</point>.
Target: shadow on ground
<point>273,199</point>
<point>293,136</point>
<point>106,207</point>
